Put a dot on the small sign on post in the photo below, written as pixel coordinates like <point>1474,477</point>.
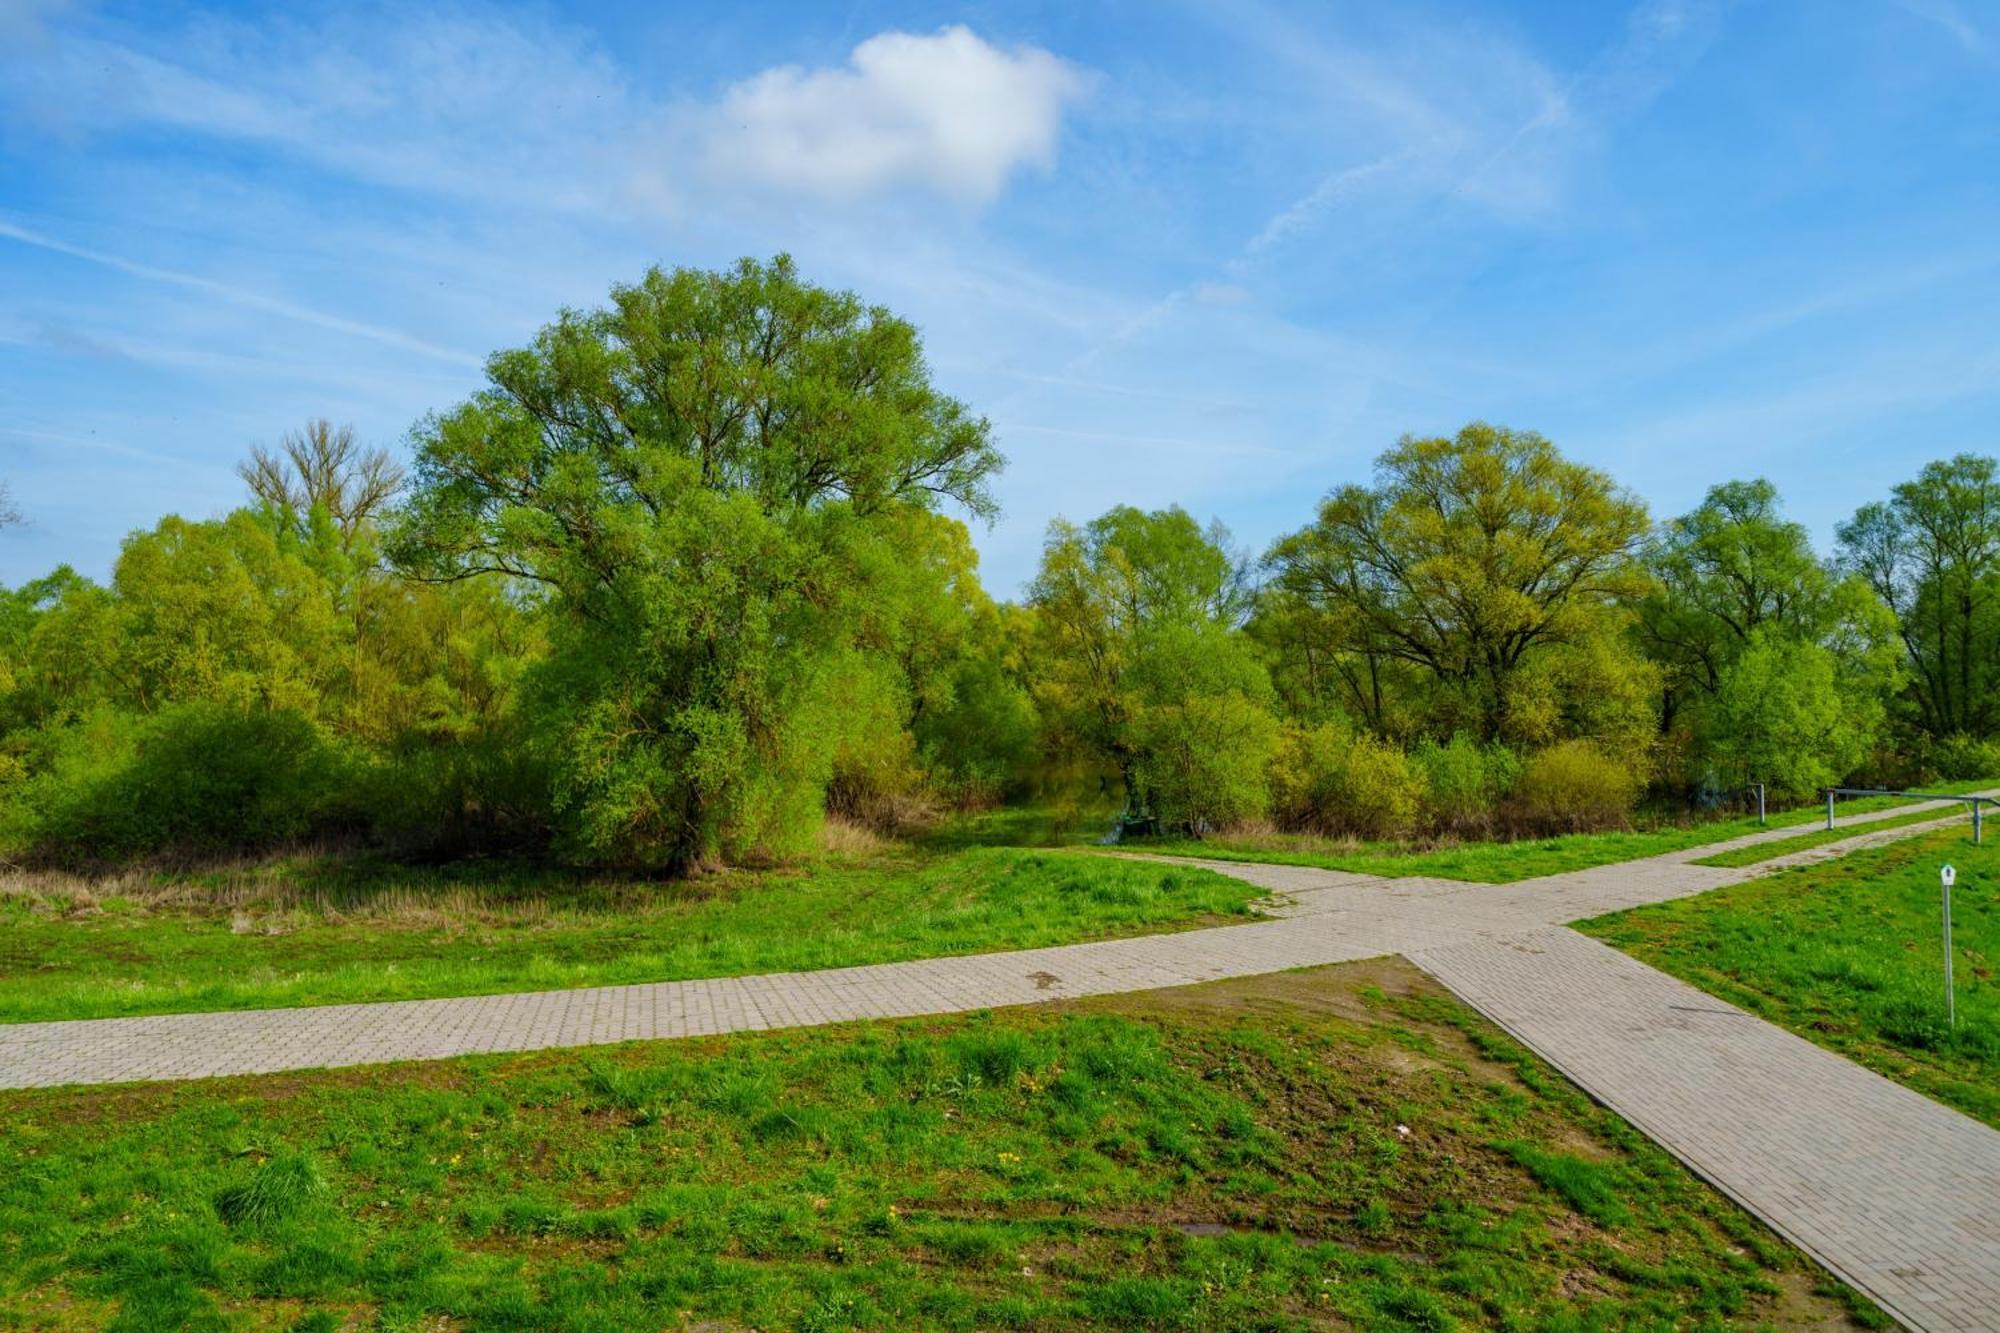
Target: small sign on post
<point>1948,876</point>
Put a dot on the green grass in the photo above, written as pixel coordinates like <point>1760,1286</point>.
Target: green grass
<point>1760,852</point>
<point>1338,1147</point>
<point>1849,953</point>
<point>1507,862</point>
<point>344,934</point>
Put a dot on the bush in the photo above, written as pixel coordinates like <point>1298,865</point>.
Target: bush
<point>484,794</point>
<point>874,778</point>
<point>194,778</point>
<point>1464,783</point>
<point>1204,760</point>
<point>1326,780</point>
<point>1959,758</point>
<point>1573,787</point>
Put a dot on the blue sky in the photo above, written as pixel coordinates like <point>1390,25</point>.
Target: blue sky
<point>1215,254</point>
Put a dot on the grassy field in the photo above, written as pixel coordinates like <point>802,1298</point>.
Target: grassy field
<point>1345,1147</point>
<point>334,932</point>
<point>1758,853</point>
<point>1507,862</point>
<point>1849,954</point>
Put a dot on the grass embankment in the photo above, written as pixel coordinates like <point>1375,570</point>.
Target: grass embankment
<point>1528,858</point>
<point>1341,1147</point>
<point>1849,953</point>
<point>327,932</point>
<point>1759,852</point>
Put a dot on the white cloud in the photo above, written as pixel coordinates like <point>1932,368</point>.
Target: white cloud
<point>950,112</point>
<point>492,106</point>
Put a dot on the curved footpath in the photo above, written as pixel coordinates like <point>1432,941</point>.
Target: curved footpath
<point>1896,1194</point>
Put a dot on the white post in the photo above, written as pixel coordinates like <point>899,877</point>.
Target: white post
<point>1946,876</point>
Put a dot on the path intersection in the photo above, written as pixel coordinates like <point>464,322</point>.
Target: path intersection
<point>1896,1194</point>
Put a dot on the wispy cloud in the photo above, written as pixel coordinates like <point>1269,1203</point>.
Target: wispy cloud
<point>1471,116</point>
<point>24,23</point>
<point>508,108</point>
<point>464,103</point>
<point>1948,16</point>
<point>1174,443</point>
<point>240,296</point>
<point>69,440</point>
<point>1305,212</point>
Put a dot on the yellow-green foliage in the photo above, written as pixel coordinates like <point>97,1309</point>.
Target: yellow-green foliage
<point>1574,787</point>
<point>1204,759</point>
<point>1464,783</point>
<point>1326,779</point>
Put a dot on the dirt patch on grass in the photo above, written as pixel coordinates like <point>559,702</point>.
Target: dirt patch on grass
<point>1376,998</point>
<point>1354,991</point>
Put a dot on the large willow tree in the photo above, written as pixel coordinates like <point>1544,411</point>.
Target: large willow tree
<point>1481,574</point>
<point>706,478</point>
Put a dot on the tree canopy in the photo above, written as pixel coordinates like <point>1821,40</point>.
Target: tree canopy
<point>708,475</point>
<point>689,575</point>
<point>1931,552</point>
<point>1467,559</point>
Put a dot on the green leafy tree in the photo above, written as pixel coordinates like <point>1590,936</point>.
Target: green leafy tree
<point>1138,660</point>
<point>1932,553</point>
<point>228,611</point>
<point>58,637</point>
<point>1781,717</point>
<point>1734,573</point>
<point>1469,562</point>
<point>706,477</point>
<point>968,717</point>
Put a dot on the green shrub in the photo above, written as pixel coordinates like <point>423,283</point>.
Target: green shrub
<point>1960,758</point>
<point>1464,783</point>
<point>1204,760</point>
<point>1573,787</point>
<point>194,778</point>
<point>1302,769</point>
<point>1327,780</point>
<point>484,794</point>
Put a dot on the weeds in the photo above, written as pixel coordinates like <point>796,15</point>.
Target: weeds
<point>1065,1166</point>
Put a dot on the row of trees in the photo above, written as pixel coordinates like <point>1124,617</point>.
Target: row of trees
<point>681,580</point>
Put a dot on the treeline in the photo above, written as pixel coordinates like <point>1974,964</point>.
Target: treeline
<point>682,580</point>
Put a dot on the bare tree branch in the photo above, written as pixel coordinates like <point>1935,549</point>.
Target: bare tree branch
<point>324,465</point>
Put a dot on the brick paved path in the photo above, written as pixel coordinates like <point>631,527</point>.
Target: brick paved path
<point>1897,1194</point>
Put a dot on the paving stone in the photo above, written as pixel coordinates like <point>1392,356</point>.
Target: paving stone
<point>1895,1193</point>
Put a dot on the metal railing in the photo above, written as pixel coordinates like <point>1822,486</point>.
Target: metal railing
<point>1978,803</point>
